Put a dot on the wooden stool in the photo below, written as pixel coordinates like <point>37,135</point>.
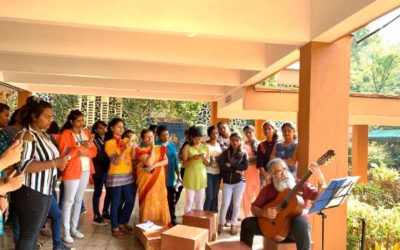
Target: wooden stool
<point>151,240</point>
<point>202,219</point>
<point>182,237</point>
<point>227,245</point>
<point>272,245</point>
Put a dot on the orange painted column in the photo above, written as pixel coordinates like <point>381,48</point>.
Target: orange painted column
<point>214,115</point>
<point>360,152</point>
<point>258,129</point>
<point>323,120</point>
<point>22,96</point>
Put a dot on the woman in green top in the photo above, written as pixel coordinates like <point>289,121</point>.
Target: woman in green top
<point>195,158</point>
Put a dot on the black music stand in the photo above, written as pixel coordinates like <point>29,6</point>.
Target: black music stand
<point>333,196</point>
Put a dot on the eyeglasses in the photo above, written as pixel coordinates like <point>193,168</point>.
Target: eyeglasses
<point>279,171</point>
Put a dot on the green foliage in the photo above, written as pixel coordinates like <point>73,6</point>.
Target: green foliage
<point>383,225</point>
<point>382,189</point>
<point>379,155</point>
<point>138,112</point>
<point>378,202</point>
<point>374,66</point>
<point>62,105</point>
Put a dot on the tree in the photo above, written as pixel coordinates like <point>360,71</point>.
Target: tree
<point>374,67</point>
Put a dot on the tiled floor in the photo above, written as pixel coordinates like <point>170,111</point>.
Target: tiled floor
<point>99,238</point>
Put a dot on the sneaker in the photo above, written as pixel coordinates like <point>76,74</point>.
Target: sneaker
<point>99,221</point>
<point>106,217</point>
<point>68,239</point>
<point>77,234</point>
<point>63,247</point>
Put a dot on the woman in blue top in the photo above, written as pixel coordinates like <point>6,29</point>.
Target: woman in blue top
<point>172,170</point>
<point>287,150</point>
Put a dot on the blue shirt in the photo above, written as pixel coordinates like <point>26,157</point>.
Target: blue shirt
<point>172,162</point>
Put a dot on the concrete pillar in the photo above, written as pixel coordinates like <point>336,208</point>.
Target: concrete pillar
<point>22,96</point>
<point>259,130</point>
<point>360,152</point>
<point>214,115</point>
<point>323,124</point>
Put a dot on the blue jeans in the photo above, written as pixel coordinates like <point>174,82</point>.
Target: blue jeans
<point>55,215</point>
<point>124,197</point>
<point>212,190</point>
<point>99,182</point>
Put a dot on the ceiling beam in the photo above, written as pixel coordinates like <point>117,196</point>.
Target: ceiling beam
<point>122,84</point>
<point>74,66</point>
<point>126,45</point>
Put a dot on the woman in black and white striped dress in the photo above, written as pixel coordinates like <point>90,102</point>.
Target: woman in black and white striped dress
<point>40,161</point>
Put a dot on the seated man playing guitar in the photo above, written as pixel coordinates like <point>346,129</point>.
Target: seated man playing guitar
<point>267,215</point>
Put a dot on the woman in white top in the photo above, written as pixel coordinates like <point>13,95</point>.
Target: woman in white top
<point>213,176</point>
<point>76,141</point>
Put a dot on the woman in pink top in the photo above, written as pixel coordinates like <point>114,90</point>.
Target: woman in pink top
<point>252,173</point>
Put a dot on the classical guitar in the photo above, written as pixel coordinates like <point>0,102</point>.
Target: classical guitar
<point>288,205</point>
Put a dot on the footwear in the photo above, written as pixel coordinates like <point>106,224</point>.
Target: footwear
<point>117,233</point>
<point>220,229</point>
<point>99,221</point>
<point>77,234</point>
<point>68,239</point>
<point>39,245</point>
<point>233,230</point>
<point>63,247</point>
<point>46,232</point>
<point>106,217</point>
<point>227,224</point>
<point>126,229</point>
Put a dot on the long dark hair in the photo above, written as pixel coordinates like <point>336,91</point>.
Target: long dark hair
<point>194,132</point>
<point>72,116</point>
<point>54,129</point>
<point>254,143</point>
<point>273,126</point>
<point>109,134</point>
<point>33,108</point>
<point>96,125</point>
<point>14,117</point>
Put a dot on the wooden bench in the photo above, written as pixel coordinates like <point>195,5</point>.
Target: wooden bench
<point>227,245</point>
<point>151,240</point>
<point>203,219</point>
<point>272,245</point>
<point>182,237</point>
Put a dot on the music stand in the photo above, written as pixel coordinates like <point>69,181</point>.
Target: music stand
<point>333,196</point>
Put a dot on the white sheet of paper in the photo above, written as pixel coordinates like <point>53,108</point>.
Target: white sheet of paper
<point>149,226</point>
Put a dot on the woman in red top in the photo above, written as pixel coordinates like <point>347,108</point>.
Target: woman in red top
<point>76,141</point>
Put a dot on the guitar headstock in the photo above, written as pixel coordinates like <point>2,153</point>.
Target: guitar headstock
<point>326,158</point>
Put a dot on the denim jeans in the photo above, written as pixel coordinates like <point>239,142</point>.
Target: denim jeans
<point>99,182</point>
<point>299,232</point>
<point>212,190</point>
<point>55,215</point>
<point>32,208</point>
<point>229,190</point>
<point>122,196</point>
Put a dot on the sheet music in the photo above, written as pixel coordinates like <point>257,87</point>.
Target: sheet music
<point>334,194</point>
<point>149,226</point>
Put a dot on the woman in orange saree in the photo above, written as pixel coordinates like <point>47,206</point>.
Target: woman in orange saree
<point>151,173</point>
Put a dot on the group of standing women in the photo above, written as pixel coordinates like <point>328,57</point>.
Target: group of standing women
<point>109,154</point>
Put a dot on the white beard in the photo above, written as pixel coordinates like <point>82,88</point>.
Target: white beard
<point>287,183</point>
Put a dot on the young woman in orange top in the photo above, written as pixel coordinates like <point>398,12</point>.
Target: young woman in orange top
<point>76,141</point>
